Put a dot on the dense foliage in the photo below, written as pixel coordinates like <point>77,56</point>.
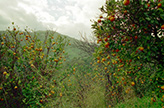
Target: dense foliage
<point>131,38</point>
<point>27,67</point>
<point>126,69</point>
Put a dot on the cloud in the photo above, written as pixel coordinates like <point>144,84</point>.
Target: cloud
<point>12,12</point>
<point>80,13</point>
<point>66,16</point>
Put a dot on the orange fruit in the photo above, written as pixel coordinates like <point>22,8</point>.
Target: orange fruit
<point>108,57</point>
<point>159,5</point>
<point>126,2</point>
<point>99,21</point>
<point>105,39</point>
<point>103,59</point>
<point>53,43</point>
<point>2,43</point>
<point>162,27</point>
<point>56,60</point>
<point>15,87</point>
<point>112,19</point>
<point>132,83</point>
<point>5,73</point>
<point>141,48</point>
<point>117,50</point>
<point>162,87</point>
<point>101,16</point>
<point>61,95</point>
<point>148,5</point>
<point>41,101</point>
<point>107,44</point>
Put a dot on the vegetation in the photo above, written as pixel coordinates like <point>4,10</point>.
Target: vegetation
<point>124,69</point>
<point>130,35</point>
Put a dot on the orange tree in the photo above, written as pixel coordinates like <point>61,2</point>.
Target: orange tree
<point>130,38</point>
<point>27,68</point>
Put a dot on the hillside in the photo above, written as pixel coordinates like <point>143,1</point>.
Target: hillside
<point>71,50</point>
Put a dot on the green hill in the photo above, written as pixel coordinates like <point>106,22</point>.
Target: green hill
<point>71,50</point>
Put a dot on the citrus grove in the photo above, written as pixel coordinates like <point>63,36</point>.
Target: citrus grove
<point>126,69</point>
<point>130,34</point>
<point>27,66</point>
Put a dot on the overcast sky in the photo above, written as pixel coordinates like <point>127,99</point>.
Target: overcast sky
<point>68,17</point>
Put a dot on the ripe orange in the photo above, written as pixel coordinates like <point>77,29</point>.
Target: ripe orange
<point>126,2</point>
<point>148,5</point>
<point>41,101</point>
<point>103,59</point>
<point>99,21</point>
<point>117,50</point>
<point>162,87</point>
<point>141,48</point>
<point>159,5</point>
<point>105,39</point>
<point>107,44</point>
<point>5,73</point>
<point>114,54</point>
<point>101,16</point>
<point>61,95</point>
<point>108,57</point>
<point>2,43</point>
<point>40,49</point>
<point>132,83</point>
<point>162,27</point>
<point>130,60</point>
<point>15,87</point>
<point>112,18</point>
<point>56,60</point>
<point>98,41</point>
<point>53,43</point>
